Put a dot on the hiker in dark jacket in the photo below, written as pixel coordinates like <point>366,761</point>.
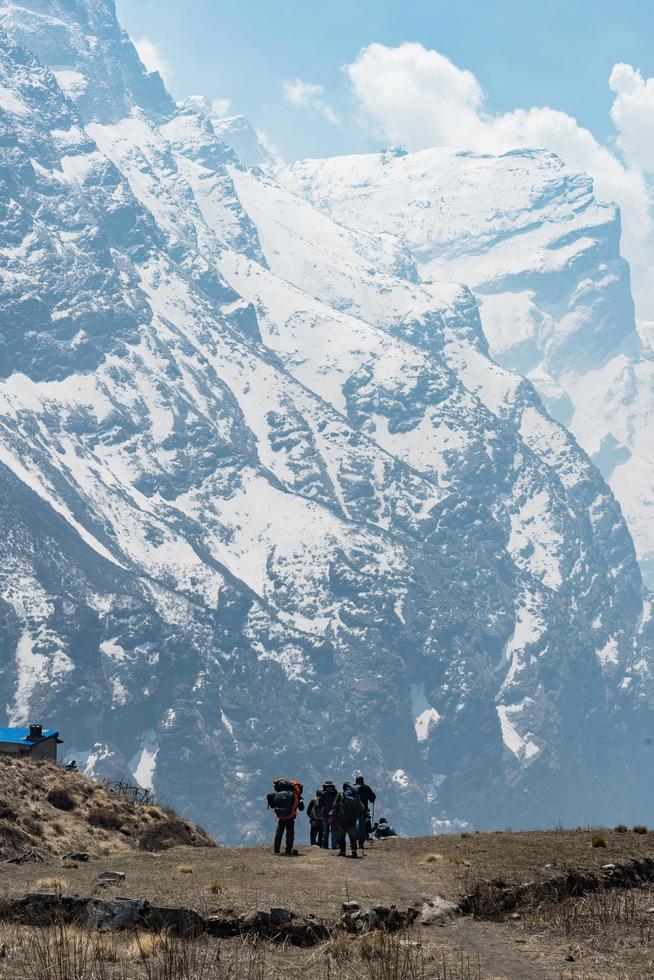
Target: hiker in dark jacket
<point>383,829</point>
<point>316,814</point>
<point>285,800</point>
<point>329,794</point>
<point>348,808</point>
<point>364,823</point>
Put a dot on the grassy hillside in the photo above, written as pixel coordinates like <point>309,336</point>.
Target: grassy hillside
<point>45,808</point>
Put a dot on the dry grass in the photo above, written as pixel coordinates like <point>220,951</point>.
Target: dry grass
<point>610,933</point>
<point>384,956</point>
<point>184,869</point>
<point>57,885</point>
<point>69,953</point>
<point>433,858</point>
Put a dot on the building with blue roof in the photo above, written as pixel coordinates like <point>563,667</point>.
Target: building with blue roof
<point>33,742</point>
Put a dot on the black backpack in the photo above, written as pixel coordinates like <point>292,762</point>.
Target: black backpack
<point>282,802</point>
<point>351,803</point>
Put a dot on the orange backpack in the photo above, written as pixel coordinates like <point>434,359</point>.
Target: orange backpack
<point>298,787</point>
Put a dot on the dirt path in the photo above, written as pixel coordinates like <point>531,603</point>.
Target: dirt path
<point>501,958</point>
<point>501,954</point>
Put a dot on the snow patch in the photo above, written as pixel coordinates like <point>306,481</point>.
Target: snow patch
<point>112,649</point>
<point>11,103</point>
<point>609,654</point>
<point>401,779</point>
<point>425,717</point>
<point>143,765</point>
<point>72,83</point>
<point>34,669</point>
<point>523,747</point>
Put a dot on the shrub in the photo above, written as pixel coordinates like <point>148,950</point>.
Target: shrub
<point>102,816</point>
<point>185,869</point>
<point>32,825</point>
<point>598,841</point>
<point>172,832</point>
<point>640,828</point>
<point>215,887</point>
<point>621,828</point>
<point>61,798</point>
<point>7,811</point>
<point>432,858</point>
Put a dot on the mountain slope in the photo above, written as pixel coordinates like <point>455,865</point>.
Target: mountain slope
<point>543,259</point>
<point>303,520</point>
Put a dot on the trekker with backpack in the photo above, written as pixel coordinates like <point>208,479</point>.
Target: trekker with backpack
<point>364,823</point>
<point>348,808</point>
<point>316,814</point>
<point>285,800</point>
<point>329,832</point>
<point>383,829</point>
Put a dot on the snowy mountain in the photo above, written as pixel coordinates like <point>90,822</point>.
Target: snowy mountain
<point>268,501</point>
<point>542,257</point>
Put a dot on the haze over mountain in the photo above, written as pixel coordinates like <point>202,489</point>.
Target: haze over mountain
<point>274,496</point>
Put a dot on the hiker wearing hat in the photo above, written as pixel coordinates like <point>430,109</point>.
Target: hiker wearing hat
<point>329,832</point>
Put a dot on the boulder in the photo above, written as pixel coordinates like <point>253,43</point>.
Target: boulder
<point>436,911</point>
<point>280,915</point>
<point>123,913</point>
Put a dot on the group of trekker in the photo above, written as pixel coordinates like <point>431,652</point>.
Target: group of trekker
<point>335,817</point>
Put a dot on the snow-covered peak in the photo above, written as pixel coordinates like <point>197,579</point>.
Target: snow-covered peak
<point>250,146</point>
<point>94,60</point>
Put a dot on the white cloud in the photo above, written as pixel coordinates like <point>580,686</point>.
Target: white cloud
<point>307,95</point>
<point>153,58</point>
<point>419,98</point>
<point>221,107</point>
<point>633,115</point>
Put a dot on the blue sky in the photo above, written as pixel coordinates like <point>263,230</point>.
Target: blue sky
<point>523,53</point>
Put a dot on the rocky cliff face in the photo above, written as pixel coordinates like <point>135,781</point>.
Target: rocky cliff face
<point>542,257</point>
<point>269,503</point>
